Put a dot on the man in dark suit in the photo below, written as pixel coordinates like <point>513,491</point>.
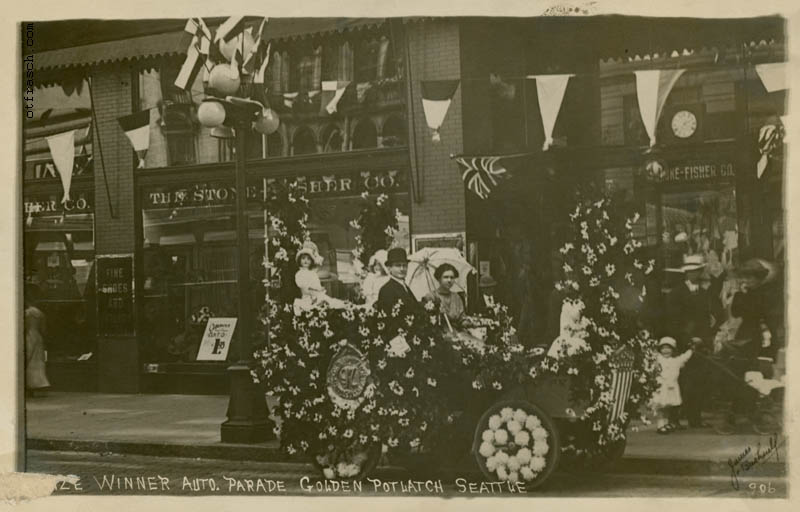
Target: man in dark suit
<point>396,290</point>
<point>689,321</point>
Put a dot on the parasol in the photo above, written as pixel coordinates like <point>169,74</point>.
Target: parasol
<point>423,263</point>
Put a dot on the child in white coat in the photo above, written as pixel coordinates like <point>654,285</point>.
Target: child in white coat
<point>667,397</point>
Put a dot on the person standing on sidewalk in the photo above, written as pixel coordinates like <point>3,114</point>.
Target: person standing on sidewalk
<point>689,320</point>
<point>667,398</point>
<point>35,361</point>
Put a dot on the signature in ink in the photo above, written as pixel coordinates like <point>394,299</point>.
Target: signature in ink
<point>750,457</point>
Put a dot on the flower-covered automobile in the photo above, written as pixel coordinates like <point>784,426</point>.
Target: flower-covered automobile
<point>356,383</point>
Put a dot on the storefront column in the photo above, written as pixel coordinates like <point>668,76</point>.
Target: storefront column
<point>117,349</point>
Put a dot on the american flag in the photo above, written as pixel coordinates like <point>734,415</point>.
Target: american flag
<point>481,173</point>
<point>621,381</point>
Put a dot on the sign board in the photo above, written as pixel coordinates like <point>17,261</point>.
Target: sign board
<point>114,281</point>
<point>220,193</point>
<point>691,172</point>
<point>216,339</point>
<point>457,240</point>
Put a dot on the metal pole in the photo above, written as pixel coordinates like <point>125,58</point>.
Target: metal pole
<point>248,416</point>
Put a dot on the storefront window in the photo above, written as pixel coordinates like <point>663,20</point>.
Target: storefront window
<point>59,271</point>
<point>190,259</point>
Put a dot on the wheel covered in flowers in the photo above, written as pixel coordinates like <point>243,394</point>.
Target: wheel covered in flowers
<point>354,462</point>
<point>516,441</point>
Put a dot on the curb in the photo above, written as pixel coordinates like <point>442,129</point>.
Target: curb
<point>270,452</point>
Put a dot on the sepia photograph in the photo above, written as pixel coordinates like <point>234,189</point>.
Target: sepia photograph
<point>409,256</point>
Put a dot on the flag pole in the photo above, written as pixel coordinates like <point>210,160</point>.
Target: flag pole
<point>100,149</point>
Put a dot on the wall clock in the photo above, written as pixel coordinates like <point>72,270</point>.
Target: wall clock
<point>684,124</point>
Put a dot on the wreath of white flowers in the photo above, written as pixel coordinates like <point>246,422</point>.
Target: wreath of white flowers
<point>514,445</point>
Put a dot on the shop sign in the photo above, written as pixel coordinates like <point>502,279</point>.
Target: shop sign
<point>692,172</point>
<point>216,339</point>
<point>340,184</point>
<point>52,205</point>
<point>114,281</point>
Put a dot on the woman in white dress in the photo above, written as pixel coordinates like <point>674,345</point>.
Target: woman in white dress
<point>376,277</point>
<point>307,279</point>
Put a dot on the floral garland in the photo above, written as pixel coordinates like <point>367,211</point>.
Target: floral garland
<point>602,287</point>
<point>377,224</point>
<point>288,211</point>
<point>402,404</point>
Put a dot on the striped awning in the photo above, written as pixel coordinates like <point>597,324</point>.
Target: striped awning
<point>176,42</point>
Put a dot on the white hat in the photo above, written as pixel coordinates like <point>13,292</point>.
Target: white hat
<point>309,249</point>
<point>379,257</point>
<point>690,262</point>
<point>666,340</point>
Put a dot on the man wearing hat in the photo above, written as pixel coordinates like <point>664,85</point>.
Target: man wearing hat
<point>396,290</point>
<point>688,320</point>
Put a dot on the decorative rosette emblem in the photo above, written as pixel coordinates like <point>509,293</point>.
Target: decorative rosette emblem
<point>348,377</point>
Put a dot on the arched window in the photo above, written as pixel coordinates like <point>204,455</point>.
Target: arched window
<point>365,135</point>
<point>394,132</point>
<point>332,139</point>
<point>304,142</point>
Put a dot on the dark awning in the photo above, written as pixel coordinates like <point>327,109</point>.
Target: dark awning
<point>176,42</point>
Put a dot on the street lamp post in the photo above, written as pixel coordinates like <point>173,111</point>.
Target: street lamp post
<point>248,414</point>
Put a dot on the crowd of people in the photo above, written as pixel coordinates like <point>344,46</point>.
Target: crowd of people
<point>716,344</point>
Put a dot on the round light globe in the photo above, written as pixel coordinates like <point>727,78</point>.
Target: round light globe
<point>268,122</point>
<point>224,79</point>
<point>211,114</point>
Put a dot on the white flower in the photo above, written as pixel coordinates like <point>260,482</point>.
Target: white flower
<point>488,435</point>
<point>476,384</point>
<point>610,268</point>
<point>486,449</point>
<point>537,464</point>
<point>502,457</point>
<point>587,270</point>
<point>514,427</point>
<point>491,464</point>
<point>501,436</point>
<point>494,422</point>
<point>612,241</point>
<point>524,455</point>
<point>431,382</point>
<point>506,413</point>
<point>520,416</point>
<point>526,473</point>
<point>532,423</point>
<point>539,434</point>
<point>496,385</point>
<point>522,438</point>
<point>513,477</point>
<point>329,474</point>
<point>594,281</point>
<point>502,474</point>
<point>410,373</point>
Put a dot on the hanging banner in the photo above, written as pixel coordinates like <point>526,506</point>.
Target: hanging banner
<point>114,281</point>
<point>137,128</point>
<point>550,91</point>
<point>62,149</point>
<point>652,89</point>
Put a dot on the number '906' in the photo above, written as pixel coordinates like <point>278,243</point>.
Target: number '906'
<point>764,489</point>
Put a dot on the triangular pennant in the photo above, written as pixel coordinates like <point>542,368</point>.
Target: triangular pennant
<point>332,92</point>
<point>481,174</point>
<point>773,75</point>
<point>62,149</point>
<point>256,44</point>
<point>436,98</point>
<point>191,66</point>
<point>262,70</point>
<point>230,28</point>
<point>137,128</point>
<point>652,88</point>
<point>550,91</point>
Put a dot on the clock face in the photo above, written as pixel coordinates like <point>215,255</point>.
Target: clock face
<point>684,124</point>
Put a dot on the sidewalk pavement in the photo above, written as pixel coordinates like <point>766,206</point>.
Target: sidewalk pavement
<point>189,426</point>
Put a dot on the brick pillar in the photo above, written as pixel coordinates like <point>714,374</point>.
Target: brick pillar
<point>117,357</point>
<point>435,55</point>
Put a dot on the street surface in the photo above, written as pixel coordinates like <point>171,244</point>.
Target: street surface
<point>111,474</point>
